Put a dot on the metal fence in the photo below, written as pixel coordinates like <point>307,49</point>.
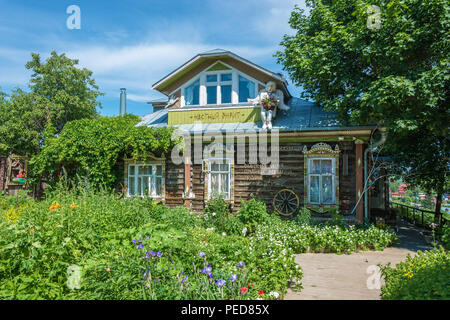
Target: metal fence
<point>418,216</point>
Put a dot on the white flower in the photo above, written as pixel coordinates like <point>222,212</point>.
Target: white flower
<point>274,294</point>
<point>213,214</point>
<point>224,234</point>
<point>244,231</point>
<point>210,229</point>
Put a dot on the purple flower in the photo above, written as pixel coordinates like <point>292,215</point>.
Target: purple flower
<point>220,283</point>
<point>159,254</point>
<point>147,237</point>
<point>210,276</point>
<point>140,246</point>
<point>150,253</point>
<point>233,277</point>
<point>240,264</point>
<point>202,254</point>
<point>207,269</point>
<point>134,241</point>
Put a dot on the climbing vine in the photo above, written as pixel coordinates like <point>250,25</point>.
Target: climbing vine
<point>95,148</point>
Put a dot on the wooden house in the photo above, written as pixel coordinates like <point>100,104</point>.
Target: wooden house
<point>320,162</point>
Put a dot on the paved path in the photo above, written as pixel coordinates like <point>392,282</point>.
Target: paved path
<point>344,277</point>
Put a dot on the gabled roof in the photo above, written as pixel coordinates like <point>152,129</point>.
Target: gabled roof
<point>212,54</point>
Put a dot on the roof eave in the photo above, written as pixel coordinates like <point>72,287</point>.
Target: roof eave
<point>229,53</point>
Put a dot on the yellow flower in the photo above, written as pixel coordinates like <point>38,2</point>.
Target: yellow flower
<point>73,206</point>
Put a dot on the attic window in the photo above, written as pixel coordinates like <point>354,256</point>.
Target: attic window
<point>192,93</point>
<point>219,85</point>
<point>246,89</point>
<point>219,88</point>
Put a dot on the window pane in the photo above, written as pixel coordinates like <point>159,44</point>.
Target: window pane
<point>226,94</point>
<point>327,190</point>
<point>145,186</point>
<point>225,77</point>
<point>131,170</point>
<point>314,166</point>
<point>192,94</point>
<point>224,167</point>
<point>215,166</point>
<point>314,189</point>
<point>246,89</point>
<point>139,190</point>
<point>158,187</point>
<point>214,184</point>
<point>224,184</point>
<point>131,186</point>
<point>211,78</point>
<point>159,170</point>
<point>147,170</point>
<point>211,94</point>
<point>326,166</point>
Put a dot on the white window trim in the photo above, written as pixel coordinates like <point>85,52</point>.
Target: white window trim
<point>234,86</point>
<point>153,177</point>
<point>229,162</point>
<point>333,180</point>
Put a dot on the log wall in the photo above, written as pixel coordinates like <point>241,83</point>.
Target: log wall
<point>248,180</point>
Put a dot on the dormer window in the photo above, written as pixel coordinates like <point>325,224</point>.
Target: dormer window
<point>192,94</point>
<point>218,88</point>
<point>246,89</point>
<point>219,85</point>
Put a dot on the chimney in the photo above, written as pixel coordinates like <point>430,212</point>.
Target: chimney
<point>123,101</point>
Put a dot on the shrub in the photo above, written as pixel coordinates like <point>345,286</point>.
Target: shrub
<point>252,213</point>
<point>304,216</point>
<point>422,277</point>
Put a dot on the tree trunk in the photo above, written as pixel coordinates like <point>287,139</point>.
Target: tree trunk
<point>437,211</point>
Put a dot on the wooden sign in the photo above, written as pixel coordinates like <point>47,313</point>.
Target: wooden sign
<point>220,115</point>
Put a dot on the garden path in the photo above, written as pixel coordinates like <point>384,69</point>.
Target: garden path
<point>328,276</point>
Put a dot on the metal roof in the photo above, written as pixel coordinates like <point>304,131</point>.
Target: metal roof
<point>302,116</point>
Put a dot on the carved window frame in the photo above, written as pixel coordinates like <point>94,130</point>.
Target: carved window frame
<point>321,150</point>
<point>214,152</point>
<point>152,161</point>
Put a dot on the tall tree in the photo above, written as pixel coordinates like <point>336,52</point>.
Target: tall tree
<point>59,92</point>
<point>380,60</point>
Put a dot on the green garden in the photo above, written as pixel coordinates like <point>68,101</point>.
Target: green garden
<point>138,249</point>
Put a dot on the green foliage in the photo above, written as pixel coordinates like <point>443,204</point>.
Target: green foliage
<point>304,216</point>
<point>95,231</point>
<point>325,238</point>
<point>217,216</point>
<point>426,276</point>
<point>252,213</point>
<point>445,236</point>
<point>59,92</point>
<point>95,149</point>
<point>336,220</point>
<point>396,74</point>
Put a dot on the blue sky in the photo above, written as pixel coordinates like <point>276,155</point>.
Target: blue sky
<point>133,44</point>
